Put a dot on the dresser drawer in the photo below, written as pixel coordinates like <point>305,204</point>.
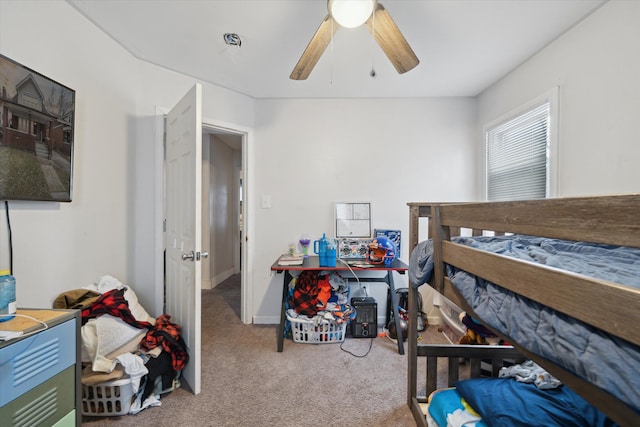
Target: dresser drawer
<point>68,420</point>
<point>45,405</point>
<point>29,362</point>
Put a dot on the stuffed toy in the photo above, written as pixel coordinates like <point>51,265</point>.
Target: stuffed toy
<point>476,333</point>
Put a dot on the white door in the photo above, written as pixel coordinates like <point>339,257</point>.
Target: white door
<point>184,226</point>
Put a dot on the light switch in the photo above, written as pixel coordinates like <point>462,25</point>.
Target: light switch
<point>266,202</point>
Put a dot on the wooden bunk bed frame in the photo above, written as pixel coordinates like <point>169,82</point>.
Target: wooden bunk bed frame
<point>605,219</point>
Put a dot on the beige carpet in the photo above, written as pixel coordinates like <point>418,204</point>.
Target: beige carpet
<point>246,382</point>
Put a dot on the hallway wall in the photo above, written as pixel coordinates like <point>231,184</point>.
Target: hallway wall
<point>223,212</point>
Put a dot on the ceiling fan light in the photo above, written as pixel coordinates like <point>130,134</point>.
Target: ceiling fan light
<point>351,13</point>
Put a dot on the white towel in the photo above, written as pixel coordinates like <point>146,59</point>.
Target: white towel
<point>104,335</point>
<point>134,367</point>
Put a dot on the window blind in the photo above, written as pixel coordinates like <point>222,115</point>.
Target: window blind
<point>517,153</point>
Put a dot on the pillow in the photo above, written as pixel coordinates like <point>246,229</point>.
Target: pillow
<point>447,403</point>
<point>507,402</point>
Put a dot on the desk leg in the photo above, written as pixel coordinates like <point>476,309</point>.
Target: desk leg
<point>396,315</point>
<point>285,289</point>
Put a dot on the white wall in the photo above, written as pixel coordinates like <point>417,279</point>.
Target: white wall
<point>111,226</point>
<point>305,154</point>
<point>596,66</point>
<point>222,211</point>
<point>161,89</point>
<point>206,264</point>
<point>312,153</point>
<point>58,246</point>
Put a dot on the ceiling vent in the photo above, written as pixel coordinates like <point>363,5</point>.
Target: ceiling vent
<point>232,39</point>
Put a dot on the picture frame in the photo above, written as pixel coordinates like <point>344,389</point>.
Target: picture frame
<point>37,120</point>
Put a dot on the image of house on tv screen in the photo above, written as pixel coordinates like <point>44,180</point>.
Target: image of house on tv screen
<point>36,135</point>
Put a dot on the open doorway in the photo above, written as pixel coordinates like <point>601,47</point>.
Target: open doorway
<point>182,255</point>
<point>237,138</point>
<point>222,216</point>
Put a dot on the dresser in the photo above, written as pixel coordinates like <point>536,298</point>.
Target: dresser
<point>40,370</point>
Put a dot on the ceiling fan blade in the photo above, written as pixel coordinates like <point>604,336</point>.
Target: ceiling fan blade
<point>315,48</point>
<point>391,40</point>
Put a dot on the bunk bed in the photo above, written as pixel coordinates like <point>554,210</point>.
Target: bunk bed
<point>603,303</point>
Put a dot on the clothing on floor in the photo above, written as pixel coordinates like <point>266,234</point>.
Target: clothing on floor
<point>167,335</point>
<point>76,299</point>
<point>113,303</point>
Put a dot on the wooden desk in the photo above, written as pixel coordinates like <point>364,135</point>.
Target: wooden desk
<point>312,263</point>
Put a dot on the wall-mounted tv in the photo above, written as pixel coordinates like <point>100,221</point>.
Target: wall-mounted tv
<point>36,135</point>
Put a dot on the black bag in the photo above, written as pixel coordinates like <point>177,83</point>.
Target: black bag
<point>402,295</point>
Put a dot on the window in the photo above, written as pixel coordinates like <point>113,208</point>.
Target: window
<point>519,153</point>
<point>30,100</point>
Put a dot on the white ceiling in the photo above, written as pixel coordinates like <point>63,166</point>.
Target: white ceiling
<point>464,46</point>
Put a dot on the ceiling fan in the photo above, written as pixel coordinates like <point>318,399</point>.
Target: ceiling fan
<point>378,21</point>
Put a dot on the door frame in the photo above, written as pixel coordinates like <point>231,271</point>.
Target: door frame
<point>246,133</point>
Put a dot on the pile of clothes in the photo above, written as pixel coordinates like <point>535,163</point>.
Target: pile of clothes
<point>120,339</point>
<point>319,296</point>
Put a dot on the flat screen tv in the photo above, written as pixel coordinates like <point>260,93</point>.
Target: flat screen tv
<point>36,135</point>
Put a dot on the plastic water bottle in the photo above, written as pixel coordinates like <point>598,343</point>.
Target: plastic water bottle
<point>7,296</point>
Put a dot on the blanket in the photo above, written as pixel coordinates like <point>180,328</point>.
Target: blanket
<point>112,329</point>
<point>598,357</point>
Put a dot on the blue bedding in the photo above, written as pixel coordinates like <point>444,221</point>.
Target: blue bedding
<point>445,404</point>
<point>503,402</point>
<point>508,403</point>
<point>608,362</point>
